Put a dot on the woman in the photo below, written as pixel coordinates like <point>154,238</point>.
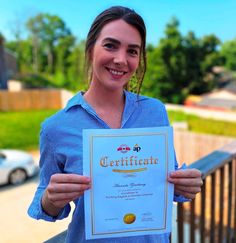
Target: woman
<point>115,53</point>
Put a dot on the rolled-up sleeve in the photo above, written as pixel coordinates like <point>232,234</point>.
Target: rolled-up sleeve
<point>48,167</point>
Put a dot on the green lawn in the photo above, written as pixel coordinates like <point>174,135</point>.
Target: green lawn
<point>21,129</point>
<point>203,125</point>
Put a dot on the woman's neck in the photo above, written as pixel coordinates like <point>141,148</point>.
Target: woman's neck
<point>104,98</point>
<point>109,105</point>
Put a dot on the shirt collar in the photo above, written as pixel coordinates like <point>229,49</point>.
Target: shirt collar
<point>78,100</point>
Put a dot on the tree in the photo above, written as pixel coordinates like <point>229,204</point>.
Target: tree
<point>62,52</point>
<point>179,65</point>
<point>201,55</point>
<point>76,68</point>
<point>23,49</point>
<point>166,66</point>
<point>228,53</point>
<point>46,30</point>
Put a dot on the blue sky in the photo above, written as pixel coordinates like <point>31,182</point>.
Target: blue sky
<point>202,16</point>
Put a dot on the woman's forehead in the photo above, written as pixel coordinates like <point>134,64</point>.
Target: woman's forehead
<point>121,31</point>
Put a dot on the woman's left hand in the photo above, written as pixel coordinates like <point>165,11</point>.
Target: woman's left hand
<point>187,182</point>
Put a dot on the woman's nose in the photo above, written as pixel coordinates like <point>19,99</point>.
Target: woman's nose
<point>120,58</point>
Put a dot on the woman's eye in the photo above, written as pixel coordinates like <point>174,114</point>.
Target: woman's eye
<point>109,46</point>
<point>133,52</point>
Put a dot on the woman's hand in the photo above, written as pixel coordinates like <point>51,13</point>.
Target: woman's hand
<point>187,182</point>
<point>62,189</point>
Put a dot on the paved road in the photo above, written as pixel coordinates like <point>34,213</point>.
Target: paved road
<point>15,225</point>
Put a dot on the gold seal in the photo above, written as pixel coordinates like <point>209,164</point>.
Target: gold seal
<point>129,218</point>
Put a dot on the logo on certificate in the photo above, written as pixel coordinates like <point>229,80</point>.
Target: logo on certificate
<point>123,148</point>
<point>136,148</point>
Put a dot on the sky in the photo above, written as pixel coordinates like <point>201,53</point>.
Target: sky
<point>203,17</point>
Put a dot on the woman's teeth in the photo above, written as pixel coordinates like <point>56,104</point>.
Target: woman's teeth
<point>115,72</point>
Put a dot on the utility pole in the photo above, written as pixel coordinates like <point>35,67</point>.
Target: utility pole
<point>3,73</point>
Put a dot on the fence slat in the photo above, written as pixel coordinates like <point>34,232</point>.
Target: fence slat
<point>234,171</point>
<point>203,212</point>
<point>213,197</point>
<point>180,216</point>
<point>229,200</point>
<point>221,198</point>
<point>192,222</point>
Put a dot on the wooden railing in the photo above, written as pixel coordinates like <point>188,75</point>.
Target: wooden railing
<point>211,217</point>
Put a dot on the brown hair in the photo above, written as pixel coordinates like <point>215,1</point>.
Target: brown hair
<point>131,18</point>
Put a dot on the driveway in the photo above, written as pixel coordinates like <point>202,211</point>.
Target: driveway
<point>16,225</point>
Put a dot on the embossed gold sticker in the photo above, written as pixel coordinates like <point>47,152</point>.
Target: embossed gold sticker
<point>129,218</point>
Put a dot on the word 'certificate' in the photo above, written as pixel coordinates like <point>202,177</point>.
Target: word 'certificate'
<point>129,194</point>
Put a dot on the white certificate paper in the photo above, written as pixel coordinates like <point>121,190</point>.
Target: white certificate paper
<point>129,194</point>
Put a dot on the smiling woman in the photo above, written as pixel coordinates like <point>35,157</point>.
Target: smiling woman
<point>115,53</point>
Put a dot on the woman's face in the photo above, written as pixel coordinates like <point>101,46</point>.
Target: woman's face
<point>115,55</point>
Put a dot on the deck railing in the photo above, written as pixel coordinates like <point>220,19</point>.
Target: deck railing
<point>211,217</point>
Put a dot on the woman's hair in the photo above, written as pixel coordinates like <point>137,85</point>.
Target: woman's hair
<point>131,18</point>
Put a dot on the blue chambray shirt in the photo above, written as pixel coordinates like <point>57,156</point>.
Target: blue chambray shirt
<point>61,152</point>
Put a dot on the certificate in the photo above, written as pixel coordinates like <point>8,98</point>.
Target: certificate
<point>129,194</point>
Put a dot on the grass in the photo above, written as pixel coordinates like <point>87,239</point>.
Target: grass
<point>21,129</point>
<point>203,125</point>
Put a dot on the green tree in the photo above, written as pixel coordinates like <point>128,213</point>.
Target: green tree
<point>180,65</point>
<point>166,66</point>
<point>76,68</point>
<point>23,49</point>
<point>228,53</point>
<point>45,31</point>
<point>201,55</point>
<point>63,50</point>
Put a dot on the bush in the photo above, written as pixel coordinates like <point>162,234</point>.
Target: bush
<point>32,80</point>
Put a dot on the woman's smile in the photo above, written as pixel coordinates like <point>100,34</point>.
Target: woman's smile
<point>115,72</point>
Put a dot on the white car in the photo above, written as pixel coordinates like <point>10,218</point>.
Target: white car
<point>16,166</point>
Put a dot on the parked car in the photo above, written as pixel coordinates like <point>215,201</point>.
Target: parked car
<point>16,166</point>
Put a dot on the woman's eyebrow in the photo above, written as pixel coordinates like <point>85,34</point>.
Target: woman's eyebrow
<point>115,41</point>
<point>109,39</point>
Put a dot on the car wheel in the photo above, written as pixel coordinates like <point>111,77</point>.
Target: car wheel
<point>17,176</point>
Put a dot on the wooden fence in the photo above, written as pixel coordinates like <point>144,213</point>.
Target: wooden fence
<point>191,146</point>
<point>36,99</point>
<point>212,215</point>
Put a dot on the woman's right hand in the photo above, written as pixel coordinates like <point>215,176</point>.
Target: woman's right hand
<point>62,189</point>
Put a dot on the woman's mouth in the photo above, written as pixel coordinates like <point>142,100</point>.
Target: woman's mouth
<point>115,72</point>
